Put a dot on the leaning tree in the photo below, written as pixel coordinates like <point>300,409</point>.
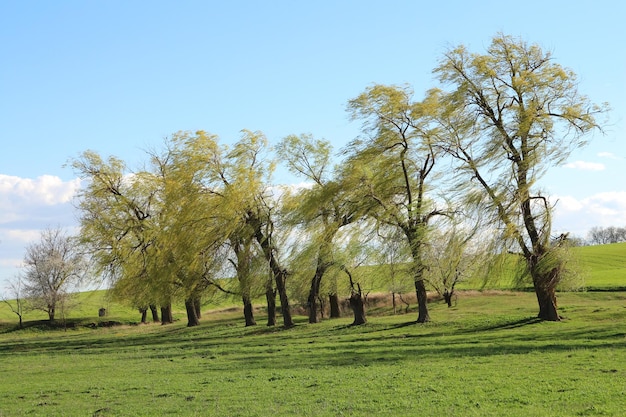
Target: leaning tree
<point>392,167</point>
<point>508,115</point>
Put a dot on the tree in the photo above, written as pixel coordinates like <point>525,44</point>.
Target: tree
<point>322,209</point>
<point>119,229</point>
<point>392,166</point>
<point>17,304</point>
<point>454,255</point>
<point>241,208</point>
<point>605,235</point>
<point>511,114</point>
<point>53,267</point>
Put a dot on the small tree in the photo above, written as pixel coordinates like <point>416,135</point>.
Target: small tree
<point>53,267</point>
<point>17,303</point>
<point>453,256</point>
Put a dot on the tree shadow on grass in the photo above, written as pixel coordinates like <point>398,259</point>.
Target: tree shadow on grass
<point>505,325</point>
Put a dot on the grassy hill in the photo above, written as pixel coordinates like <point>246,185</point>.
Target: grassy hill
<point>606,265</point>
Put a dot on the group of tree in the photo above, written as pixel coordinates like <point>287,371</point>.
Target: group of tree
<point>438,188</point>
<point>605,235</point>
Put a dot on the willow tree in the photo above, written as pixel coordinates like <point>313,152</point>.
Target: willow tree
<point>237,178</point>
<point>391,166</point>
<point>321,209</point>
<point>509,115</point>
<point>190,235</point>
<point>119,228</point>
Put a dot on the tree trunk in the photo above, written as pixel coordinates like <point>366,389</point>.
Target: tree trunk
<point>155,313</point>
<point>51,313</point>
<point>312,303</point>
<point>333,300</point>
<point>284,300</point>
<point>279,273</point>
<point>545,289</point>
<point>547,304</point>
<point>192,318</point>
<point>166,314</point>
<point>314,292</point>
<point>422,302</point>
<point>270,296</point>
<point>358,308</point>
<point>248,312</point>
<point>144,315</point>
<point>393,302</point>
<point>197,305</point>
<point>322,306</point>
<point>447,296</point>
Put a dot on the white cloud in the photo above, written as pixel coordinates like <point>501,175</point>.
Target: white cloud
<point>569,204</point>
<point>44,199</point>
<point>585,166</point>
<point>608,155</point>
<point>25,236</point>
<point>579,215</point>
<point>28,206</point>
<point>46,189</point>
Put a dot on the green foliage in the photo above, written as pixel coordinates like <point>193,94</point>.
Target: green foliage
<point>482,361</point>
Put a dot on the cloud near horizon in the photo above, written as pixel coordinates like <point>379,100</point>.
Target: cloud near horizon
<point>28,206</point>
<point>585,166</point>
<point>579,215</point>
<point>609,155</point>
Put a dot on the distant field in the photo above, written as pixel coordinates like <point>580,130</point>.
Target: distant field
<point>606,265</point>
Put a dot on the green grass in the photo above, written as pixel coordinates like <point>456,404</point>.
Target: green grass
<point>487,356</point>
<point>606,265</point>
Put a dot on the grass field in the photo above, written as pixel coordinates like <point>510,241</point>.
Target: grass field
<point>486,356</point>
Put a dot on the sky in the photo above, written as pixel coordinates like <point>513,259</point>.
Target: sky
<point>117,77</point>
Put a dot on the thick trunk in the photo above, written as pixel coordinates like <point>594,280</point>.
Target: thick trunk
<point>284,300</point>
<point>270,296</point>
<point>420,289</point>
<point>51,313</point>
<point>358,308</point>
<point>422,302</point>
<point>333,300</point>
<point>545,290</point>
<point>447,296</point>
<point>197,305</point>
<point>166,314</point>
<point>248,312</point>
<point>192,317</point>
<point>312,302</point>
<point>547,304</point>
<point>314,291</point>
<point>144,315</point>
<point>322,306</point>
<point>155,313</point>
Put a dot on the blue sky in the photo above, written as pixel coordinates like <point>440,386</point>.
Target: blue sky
<point>118,76</point>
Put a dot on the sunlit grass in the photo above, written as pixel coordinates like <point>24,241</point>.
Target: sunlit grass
<point>487,356</point>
